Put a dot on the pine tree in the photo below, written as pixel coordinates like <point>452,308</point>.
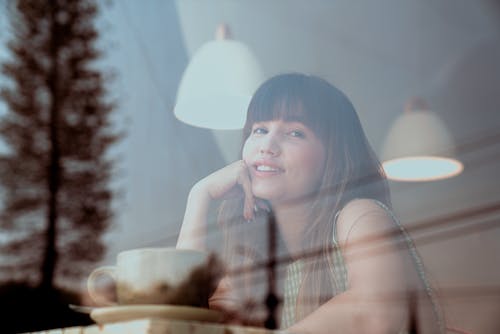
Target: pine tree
<point>55,174</point>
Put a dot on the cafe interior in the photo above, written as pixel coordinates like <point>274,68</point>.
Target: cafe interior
<point>423,76</point>
<point>393,59</point>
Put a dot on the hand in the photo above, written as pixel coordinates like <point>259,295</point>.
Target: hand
<point>232,180</point>
<point>228,182</point>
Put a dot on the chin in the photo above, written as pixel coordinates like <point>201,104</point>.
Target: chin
<point>266,193</point>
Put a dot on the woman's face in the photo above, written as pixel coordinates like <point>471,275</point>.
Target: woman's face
<point>286,160</point>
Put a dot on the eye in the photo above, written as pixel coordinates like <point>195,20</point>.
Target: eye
<point>259,130</point>
<point>297,134</point>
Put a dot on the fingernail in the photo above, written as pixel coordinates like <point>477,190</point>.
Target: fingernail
<point>248,215</point>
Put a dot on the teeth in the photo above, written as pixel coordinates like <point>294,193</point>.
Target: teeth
<point>264,168</point>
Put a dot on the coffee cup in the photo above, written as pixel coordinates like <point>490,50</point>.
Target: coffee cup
<point>146,275</point>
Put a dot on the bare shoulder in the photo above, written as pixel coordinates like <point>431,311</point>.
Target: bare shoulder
<point>362,218</point>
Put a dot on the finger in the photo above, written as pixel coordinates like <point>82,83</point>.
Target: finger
<point>246,184</point>
<point>233,193</point>
<point>248,210</point>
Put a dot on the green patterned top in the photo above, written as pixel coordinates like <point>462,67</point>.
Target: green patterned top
<point>294,275</point>
<point>294,278</point>
<point>292,285</point>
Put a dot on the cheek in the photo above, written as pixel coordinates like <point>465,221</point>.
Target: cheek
<point>313,161</point>
<point>315,166</point>
<point>246,151</point>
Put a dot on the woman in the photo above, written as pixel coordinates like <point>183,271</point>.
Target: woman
<point>306,159</point>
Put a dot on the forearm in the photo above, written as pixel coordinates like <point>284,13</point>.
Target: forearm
<point>194,225</point>
<point>350,313</point>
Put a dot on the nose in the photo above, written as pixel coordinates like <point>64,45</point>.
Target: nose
<point>270,146</point>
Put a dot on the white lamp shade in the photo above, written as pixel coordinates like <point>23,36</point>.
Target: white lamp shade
<point>217,85</point>
<point>418,147</point>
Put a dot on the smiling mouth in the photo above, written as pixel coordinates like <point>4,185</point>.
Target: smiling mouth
<point>266,169</point>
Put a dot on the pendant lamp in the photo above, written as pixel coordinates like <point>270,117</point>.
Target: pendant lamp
<point>419,147</point>
<point>218,83</point>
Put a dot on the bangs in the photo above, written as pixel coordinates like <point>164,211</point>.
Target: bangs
<point>284,109</point>
<point>289,105</point>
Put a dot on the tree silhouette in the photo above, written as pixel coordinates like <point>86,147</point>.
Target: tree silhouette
<point>56,169</point>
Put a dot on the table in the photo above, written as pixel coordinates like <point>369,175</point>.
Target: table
<point>162,326</point>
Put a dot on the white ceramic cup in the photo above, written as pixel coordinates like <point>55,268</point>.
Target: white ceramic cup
<point>144,275</point>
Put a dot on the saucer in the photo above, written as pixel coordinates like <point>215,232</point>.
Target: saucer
<point>104,315</point>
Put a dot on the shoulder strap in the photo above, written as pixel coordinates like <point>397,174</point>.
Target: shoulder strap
<point>334,234</point>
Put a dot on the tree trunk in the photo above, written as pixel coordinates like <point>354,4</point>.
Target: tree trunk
<point>54,167</point>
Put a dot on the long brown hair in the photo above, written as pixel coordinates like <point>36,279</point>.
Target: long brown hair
<point>352,170</point>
